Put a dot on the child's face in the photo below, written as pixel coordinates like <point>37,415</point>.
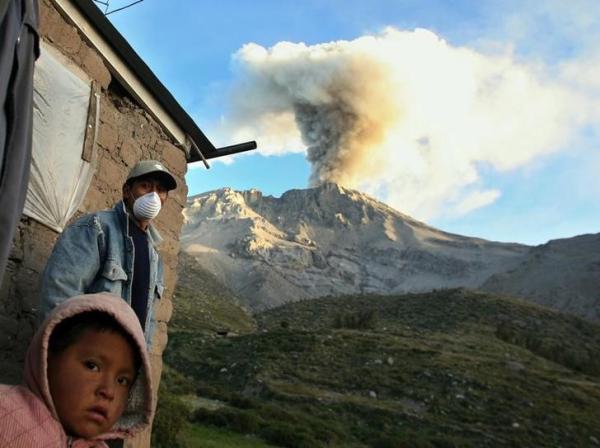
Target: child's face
<point>90,382</point>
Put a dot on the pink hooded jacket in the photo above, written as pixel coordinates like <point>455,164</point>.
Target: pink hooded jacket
<point>27,414</point>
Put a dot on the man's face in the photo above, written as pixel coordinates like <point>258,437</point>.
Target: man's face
<point>90,382</point>
<point>144,185</point>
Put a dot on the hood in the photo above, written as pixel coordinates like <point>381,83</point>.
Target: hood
<point>139,411</point>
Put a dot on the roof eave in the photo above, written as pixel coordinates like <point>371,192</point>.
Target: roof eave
<point>149,80</point>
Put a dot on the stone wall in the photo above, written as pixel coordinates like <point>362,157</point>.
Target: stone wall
<point>126,134</point>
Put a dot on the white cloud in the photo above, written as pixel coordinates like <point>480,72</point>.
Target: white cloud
<point>476,200</point>
<point>406,116</point>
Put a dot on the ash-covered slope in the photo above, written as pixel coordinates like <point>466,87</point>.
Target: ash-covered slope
<point>329,241</point>
<point>563,274</point>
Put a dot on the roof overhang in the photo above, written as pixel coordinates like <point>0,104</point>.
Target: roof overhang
<point>137,78</point>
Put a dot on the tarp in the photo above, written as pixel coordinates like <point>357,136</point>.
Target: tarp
<point>59,176</point>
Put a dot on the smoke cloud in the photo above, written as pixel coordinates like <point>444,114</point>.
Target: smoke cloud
<point>403,115</point>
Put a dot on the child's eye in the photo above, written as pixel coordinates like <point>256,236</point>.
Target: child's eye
<point>124,381</point>
<point>91,365</point>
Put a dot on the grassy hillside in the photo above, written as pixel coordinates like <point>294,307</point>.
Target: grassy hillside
<point>449,368</point>
<point>204,308</point>
<point>556,336</point>
<point>204,305</point>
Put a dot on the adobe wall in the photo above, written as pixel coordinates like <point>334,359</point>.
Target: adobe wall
<point>126,134</point>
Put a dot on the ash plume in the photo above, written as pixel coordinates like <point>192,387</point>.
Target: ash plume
<point>402,115</point>
<point>339,137</point>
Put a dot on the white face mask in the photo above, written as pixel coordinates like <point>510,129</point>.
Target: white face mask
<point>146,207</point>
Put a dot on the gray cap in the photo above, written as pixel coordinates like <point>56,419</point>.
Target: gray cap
<point>144,167</point>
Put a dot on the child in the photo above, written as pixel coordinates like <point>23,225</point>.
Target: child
<point>87,379</point>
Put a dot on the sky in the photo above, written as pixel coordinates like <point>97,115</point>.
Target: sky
<point>477,117</point>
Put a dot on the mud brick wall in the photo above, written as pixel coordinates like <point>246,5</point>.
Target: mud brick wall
<point>126,134</point>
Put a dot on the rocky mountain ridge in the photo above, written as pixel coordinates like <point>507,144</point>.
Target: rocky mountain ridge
<point>563,274</point>
<point>330,240</point>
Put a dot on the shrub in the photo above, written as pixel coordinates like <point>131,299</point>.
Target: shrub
<point>583,358</point>
<point>416,439</point>
<point>171,416</point>
<point>208,391</point>
<point>215,418</point>
<point>245,422</point>
<point>272,411</point>
<point>175,383</point>
<point>288,436</point>
<point>360,320</point>
<point>239,401</point>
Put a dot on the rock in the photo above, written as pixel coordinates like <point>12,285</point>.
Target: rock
<point>516,425</point>
<point>372,394</point>
<point>594,440</point>
<point>223,370</point>
<point>319,260</point>
<point>515,366</point>
<point>390,361</point>
<point>378,361</point>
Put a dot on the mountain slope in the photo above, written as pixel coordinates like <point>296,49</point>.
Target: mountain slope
<point>204,308</point>
<point>329,241</point>
<point>563,274</point>
<point>204,305</point>
<point>450,368</point>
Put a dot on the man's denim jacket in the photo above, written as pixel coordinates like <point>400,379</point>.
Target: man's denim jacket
<point>96,254</point>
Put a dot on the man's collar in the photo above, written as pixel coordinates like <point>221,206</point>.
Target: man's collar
<point>153,234</point>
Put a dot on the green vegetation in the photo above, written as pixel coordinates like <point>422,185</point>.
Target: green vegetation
<point>211,437</point>
<point>203,305</point>
<point>562,338</point>
<point>358,320</point>
<point>450,368</point>
<point>171,418</point>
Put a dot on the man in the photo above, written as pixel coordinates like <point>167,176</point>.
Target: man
<point>114,250</point>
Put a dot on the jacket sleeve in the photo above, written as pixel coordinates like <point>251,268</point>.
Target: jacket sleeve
<point>156,297</point>
<point>73,264</point>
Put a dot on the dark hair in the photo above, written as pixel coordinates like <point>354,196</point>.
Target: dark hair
<point>68,331</point>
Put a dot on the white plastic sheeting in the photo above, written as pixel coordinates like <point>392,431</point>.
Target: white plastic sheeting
<point>59,177</point>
